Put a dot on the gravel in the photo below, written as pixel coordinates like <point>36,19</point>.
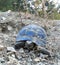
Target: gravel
<point>10,24</point>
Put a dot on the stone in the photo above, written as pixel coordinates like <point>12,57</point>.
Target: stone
<point>9,28</point>
<point>2,60</point>
<point>3,51</point>
<point>40,63</point>
<point>11,49</point>
<point>3,18</point>
<point>58,62</point>
<point>12,61</point>
<point>21,50</point>
<point>43,56</point>
<point>1,47</point>
<point>9,11</point>
<point>37,59</point>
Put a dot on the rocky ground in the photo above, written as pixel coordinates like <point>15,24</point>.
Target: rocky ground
<point>11,23</point>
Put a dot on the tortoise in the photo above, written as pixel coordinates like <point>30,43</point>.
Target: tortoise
<point>31,36</point>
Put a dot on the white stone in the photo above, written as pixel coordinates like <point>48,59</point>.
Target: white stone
<point>9,28</point>
<point>11,49</point>
<point>9,11</point>
<point>3,18</point>
<point>2,47</point>
<point>37,59</point>
<point>21,50</point>
<point>58,62</point>
<point>40,63</point>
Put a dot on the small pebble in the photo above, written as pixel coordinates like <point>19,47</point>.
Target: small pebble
<point>37,59</point>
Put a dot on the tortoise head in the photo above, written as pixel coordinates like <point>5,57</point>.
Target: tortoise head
<point>20,44</point>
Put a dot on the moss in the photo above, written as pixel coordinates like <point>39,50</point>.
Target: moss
<point>56,16</point>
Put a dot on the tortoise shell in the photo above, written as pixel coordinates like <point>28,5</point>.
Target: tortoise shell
<point>32,33</point>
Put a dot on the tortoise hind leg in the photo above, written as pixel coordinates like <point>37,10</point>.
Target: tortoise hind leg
<point>44,51</point>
